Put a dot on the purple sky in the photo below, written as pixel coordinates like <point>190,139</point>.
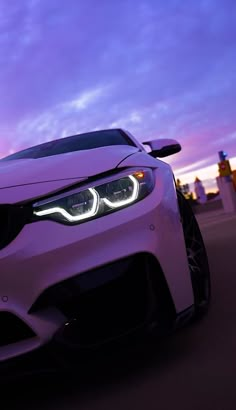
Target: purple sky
<point>157,68</point>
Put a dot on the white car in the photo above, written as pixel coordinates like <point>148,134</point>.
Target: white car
<point>95,243</point>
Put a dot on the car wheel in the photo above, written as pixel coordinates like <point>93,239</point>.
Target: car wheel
<point>197,257</point>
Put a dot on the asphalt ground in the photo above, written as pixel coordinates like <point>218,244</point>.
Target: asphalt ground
<point>193,369</point>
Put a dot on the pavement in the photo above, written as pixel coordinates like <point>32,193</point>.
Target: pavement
<point>194,369</point>
<point>216,217</point>
<point>211,205</point>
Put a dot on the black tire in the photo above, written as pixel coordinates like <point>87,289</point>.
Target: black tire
<point>197,257</point>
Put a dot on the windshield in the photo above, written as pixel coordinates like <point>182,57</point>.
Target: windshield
<point>90,140</point>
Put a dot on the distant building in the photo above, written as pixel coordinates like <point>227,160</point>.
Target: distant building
<point>200,191</point>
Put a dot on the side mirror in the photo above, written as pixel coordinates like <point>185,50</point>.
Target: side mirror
<point>162,147</point>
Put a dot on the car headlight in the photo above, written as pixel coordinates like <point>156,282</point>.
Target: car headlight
<point>85,203</point>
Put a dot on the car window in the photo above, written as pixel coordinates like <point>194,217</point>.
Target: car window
<point>78,142</point>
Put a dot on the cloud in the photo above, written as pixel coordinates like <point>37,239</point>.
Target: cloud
<point>83,101</point>
<point>159,69</point>
<point>59,121</point>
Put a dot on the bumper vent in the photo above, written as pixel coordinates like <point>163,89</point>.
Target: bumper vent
<point>109,301</point>
<point>12,220</point>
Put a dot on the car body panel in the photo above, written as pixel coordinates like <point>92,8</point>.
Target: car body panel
<point>141,159</point>
<point>29,192</point>
<point>79,164</point>
<point>26,179</point>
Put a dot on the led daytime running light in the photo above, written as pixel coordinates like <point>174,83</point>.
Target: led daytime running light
<point>70,217</point>
<point>133,197</point>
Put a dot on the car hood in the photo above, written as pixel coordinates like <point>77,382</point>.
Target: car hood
<point>79,164</point>
<point>34,177</point>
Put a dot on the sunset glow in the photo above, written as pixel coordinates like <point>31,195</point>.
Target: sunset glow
<point>156,68</point>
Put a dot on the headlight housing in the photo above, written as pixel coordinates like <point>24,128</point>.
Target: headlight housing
<point>89,202</point>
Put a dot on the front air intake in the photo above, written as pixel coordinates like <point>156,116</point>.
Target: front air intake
<point>12,220</point>
<point>13,330</point>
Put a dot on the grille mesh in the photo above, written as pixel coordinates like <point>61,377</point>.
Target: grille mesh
<point>13,330</point>
<point>12,220</point>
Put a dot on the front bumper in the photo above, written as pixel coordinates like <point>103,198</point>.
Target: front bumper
<point>46,253</point>
<point>60,356</point>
